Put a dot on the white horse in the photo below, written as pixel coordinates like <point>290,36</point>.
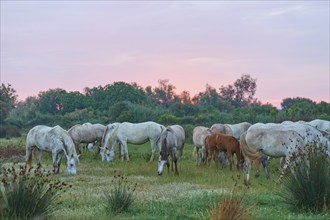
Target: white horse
<point>278,140</point>
<point>321,125</point>
<point>172,142</point>
<point>133,133</point>
<point>55,140</point>
<point>86,133</point>
<point>199,135</point>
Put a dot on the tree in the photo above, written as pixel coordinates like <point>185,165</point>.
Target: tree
<point>104,97</point>
<point>289,102</point>
<point>164,93</point>
<point>241,93</point>
<point>211,97</point>
<point>8,101</point>
<point>51,101</point>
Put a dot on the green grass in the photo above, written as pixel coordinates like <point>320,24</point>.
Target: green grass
<point>187,196</point>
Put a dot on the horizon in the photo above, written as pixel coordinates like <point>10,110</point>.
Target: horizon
<point>72,45</point>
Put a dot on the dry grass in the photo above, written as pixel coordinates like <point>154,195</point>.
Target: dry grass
<point>232,206</point>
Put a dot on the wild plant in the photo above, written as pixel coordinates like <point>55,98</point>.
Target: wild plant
<point>231,207</point>
<point>121,196</point>
<point>28,194</point>
<point>306,187</point>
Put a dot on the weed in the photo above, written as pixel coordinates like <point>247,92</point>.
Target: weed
<point>121,196</point>
<point>307,185</point>
<point>231,207</point>
<point>29,193</point>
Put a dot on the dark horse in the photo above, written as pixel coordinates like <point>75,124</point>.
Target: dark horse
<point>172,142</point>
<point>222,142</point>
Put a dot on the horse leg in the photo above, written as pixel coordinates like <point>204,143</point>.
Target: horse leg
<point>257,165</point>
<point>175,159</point>
<point>180,156</point>
<point>28,156</point>
<point>230,158</point>
<point>39,157</point>
<point>196,152</point>
<point>126,151</point>
<point>265,162</point>
<point>211,151</point>
<point>54,156</point>
<point>153,150</point>
<point>59,159</point>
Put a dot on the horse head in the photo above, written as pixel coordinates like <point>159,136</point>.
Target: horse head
<point>163,158</point>
<point>73,162</point>
<point>107,154</point>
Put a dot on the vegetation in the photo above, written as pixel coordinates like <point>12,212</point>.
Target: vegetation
<point>28,194</point>
<point>188,196</point>
<point>307,187</point>
<point>231,207</point>
<point>120,197</point>
<point>121,101</point>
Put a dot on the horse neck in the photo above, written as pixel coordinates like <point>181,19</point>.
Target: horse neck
<point>164,147</point>
<point>69,147</point>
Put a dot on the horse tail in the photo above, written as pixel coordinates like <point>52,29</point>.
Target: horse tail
<point>247,150</point>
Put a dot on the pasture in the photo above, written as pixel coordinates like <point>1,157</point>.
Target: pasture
<point>187,196</point>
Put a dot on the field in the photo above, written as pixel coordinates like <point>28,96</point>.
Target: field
<point>187,196</point>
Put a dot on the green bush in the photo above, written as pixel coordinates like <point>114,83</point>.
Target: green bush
<point>29,194</point>
<point>120,197</point>
<point>307,187</point>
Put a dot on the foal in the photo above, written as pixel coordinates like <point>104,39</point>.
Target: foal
<point>226,143</point>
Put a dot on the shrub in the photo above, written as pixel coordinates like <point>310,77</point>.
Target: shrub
<point>231,207</point>
<point>307,185</point>
<point>29,194</point>
<point>120,197</point>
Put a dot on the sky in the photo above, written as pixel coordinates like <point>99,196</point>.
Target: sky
<point>72,45</point>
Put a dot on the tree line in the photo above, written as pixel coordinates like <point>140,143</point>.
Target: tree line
<point>121,101</point>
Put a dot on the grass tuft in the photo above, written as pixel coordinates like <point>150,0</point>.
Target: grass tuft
<point>307,186</point>
<point>120,197</point>
<point>231,207</point>
<point>29,194</point>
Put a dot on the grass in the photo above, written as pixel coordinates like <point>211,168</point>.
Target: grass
<point>187,196</point>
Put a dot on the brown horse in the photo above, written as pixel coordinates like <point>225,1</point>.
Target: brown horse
<point>221,142</point>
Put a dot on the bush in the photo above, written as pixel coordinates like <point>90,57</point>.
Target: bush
<point>29,194</point>
<point>121,197</point>
<point>231,207</point>
<point>307,186</point>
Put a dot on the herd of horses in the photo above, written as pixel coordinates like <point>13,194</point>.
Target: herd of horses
<point>250,143</point>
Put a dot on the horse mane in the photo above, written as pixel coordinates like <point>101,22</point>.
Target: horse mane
<point>163,148</point>
<point>246,150</point>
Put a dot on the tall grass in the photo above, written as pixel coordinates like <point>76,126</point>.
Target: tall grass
<point>307,187</point>
<point>233,206</point>
<point>120,197</point>
<point>29,194</point>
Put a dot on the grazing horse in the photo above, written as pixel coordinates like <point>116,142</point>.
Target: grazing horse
<point>236,130</point>
<point>199,135</point>
<point>321,125</point>
<point>86,133</point>
<point>278,140</point>
<point>133,133</point>
<point>226,143</point>
<point>172,142</point>
<point>53,139</point>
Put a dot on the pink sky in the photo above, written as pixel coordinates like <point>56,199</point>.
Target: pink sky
<point>78,44</point>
